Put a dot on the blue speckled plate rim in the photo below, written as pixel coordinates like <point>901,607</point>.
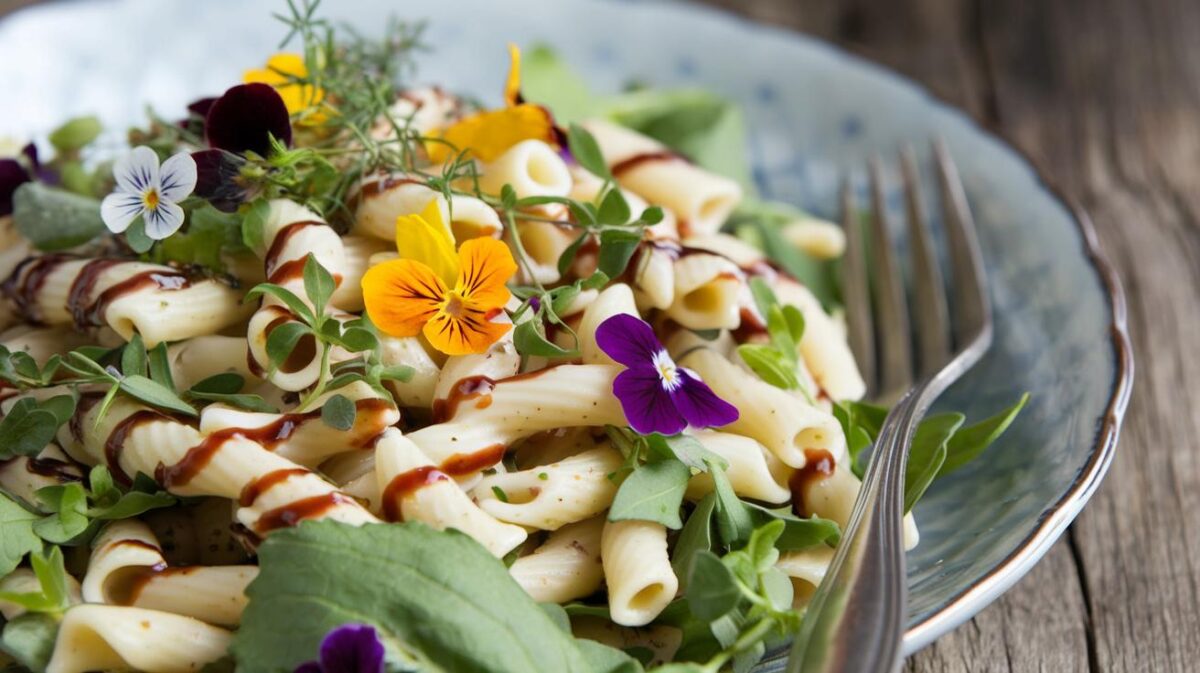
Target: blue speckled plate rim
<point>1055,519</point>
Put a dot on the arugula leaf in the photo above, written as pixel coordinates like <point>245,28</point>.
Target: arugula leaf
<point>586,151</point>
<point>696,536</point>
<point>155,394</point>
<point>927,454</point>
<point>653,492</point>
<point>55,219</point>
<point>318,283</point>
<point>225,383</point>
<point>770,365</point>
<point>16,534</point>
<point>733,519</point>
<point>688,450</point>
<point>29,639</point>
<point>440,594</point>
<point>764,219</point>
<point>796,533</point>
<point>969,442</point>
<point>712,590</point>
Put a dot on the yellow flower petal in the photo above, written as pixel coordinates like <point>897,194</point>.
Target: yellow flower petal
<point>425,238</point>
<point>512,86</point>
<point>402,296</point>
<point>462,326</point>
<point>278,73</point>
<point>487,265</point>
<point>489,134</point>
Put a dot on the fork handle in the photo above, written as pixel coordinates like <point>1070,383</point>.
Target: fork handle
<point>855,621</point>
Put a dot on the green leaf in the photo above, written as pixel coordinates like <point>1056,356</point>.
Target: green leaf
<point>652,215</point>
<point>254,220</point>
<point>160,366</point>
<point>927,454</point>
<point>586,151</point>
<point>765,220</point>
<point>438,593</point>
<point>567,258</point>
<point>68,519</point>
<point>733,518</point>
<point>696,536</point>
<point>712,590</point>
<point>318,283</point>
<point>29,639</point>
<point>26,429</point>
<point>795,322</point>
<point>225,383</point>
<point>653,492</point>
<point>616,249</point>
<point>133,357</point>
<point>396,373</point>
<point>154,394</point>
<point>780,331</point>
<point>101,484</point>
<point>547,80</point>
<point>75,134</point>
<point>761,548</point>
<point>530,339</point>
<point>133,504</point>
<point>209,236</point>
<point>282,341</point>
<point>136,237</point>
<point>969,442</point>
<point>246,401</point>
<point>62,407</point>
<point>770,365</point>
<point>295,304</point>
<point>54,219</point>
<point>604,659</point>
<point>357,339</point>
<point>16,534</point>
<point>338,412</point>
<point>614,209</point>
<point>684,448</point>
<point>797,533</point>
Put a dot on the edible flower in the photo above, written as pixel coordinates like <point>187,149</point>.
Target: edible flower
<point>486,135</point>
<point>12,175</point>
<point>350,648</point>
<point>245,118</point>
<point>449,297</point>
<point>148,190</point>
<point>656,394</point>
<point>282,71</point>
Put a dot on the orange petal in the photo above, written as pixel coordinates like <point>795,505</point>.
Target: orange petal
<point>512,86</point>
<point>487,135</point>
<point>402,295</point>
<point>487,265</point>
<point>470,331</point>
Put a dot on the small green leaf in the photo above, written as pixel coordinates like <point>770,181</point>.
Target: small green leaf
<point>247,401</point>
<point>75,134</point>
<point>133,357</point>
<point>764,296</point>
<point>160,366</point>
<point>155,395</point>
<point>396,373</point>
<point>567,258</point>
<point>500,494</point>
<point>54,219</point>
<point>254,220</point>
<point>283,339</point>
<point>26,429</point>
<point>712,590</point>
<point>614,209</point>
<point>318,283</point>
<point>653,492</point>
<point>358,340</point>
<point>338,412</point>
<point>586,151</point>
<point>289,298</point>
<point>530,339</point>
<point>225,383</point>
<point>210,235</point>
<point>769,365</point>
<point>696,536</point>
<point>134,503</point>
<point>969,442</point>
<point>652,215</point>
<point>927,454</point>
<point>687,450</point>
<point>733,518</point>
<point>795,322</point>
<point>16,534</point>
<point>68,519</point>
<point>616,249</point>
<point>29,639</point>
<point>136,237</point>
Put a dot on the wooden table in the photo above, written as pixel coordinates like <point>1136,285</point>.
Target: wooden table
<point>1104,96</point>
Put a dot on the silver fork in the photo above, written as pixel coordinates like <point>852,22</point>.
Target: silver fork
<point>856,619</point>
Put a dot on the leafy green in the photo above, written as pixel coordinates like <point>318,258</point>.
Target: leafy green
<point>75,513</point>
<point>16,534</point>
<point>687,450</point>
<point>712,590</point>
<point>546,79</point>
<point>797,533</point>
<point>733,519</point>
<point>653,492</point>
<point>440,595</point>
<point>155,394</point>
<point>969,442</point>
<point>210,234</point>
<point>604,659</point>
<point>51,574</point>
<point>75,134</point>
<point>927,454</point>
<point>54,219</point>
<point>586,151</point>
<point>338,412</point>
<point>30,425</point>
<point>778,361</point>
<point>696,536</point>
<point>29,639</point>
<point>225,388</point>
<point>763,220</point>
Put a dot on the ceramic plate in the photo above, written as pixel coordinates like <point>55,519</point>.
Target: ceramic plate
<point>814,114</point>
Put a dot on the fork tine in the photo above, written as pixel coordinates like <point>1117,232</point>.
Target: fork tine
<point>891,310</point>
<point>972,307</point>
<point>929,293</point>
<point>856,292</point>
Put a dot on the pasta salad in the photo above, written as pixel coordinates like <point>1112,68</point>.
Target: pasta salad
<point>342,373</point>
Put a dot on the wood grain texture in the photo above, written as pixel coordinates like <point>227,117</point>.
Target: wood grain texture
<point>1104,96</point>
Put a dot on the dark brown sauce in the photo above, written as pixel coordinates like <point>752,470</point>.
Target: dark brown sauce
<point>461,464</point>
<point>26,281</point>
<point>59,470</point>
<point>78,299</point>
<point>526,376</point>
<point>405,484</point>
<point>137,543</point>
<point>467,389</point>
<point>300,510</point>
<point>93,314</point>
<point>252,365</point>
<point>116,441</point>
<point>266,482</point>
<point>750,328</point>
<point>383,184</point>
<point>819,465</point>
<point>636,160</point>
<point>272,257</point>
<point>196,459</point>
<point>128,586</point>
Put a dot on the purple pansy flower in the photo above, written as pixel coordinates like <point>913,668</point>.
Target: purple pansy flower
<point>656,394</point>
<point>350,648</point>
<point>245,117</point>
<point>12,175</point>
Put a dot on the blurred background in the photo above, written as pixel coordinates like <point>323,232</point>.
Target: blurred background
<point>1104,97</point>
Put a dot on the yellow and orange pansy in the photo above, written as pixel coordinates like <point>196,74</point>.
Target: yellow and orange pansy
<point>451,297</point>
<point>300,99</point>
<point>488,134</point>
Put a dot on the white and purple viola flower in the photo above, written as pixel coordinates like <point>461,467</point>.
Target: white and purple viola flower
<point>350,648</point>
<point>146,189</point>
<point>656,394</point>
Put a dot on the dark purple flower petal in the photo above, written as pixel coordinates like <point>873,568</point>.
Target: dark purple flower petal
<point>628,340</point>
<point>352,648</point>
<point>699,404</point>
<point>216,178</point>
<point>201,107</point>
<point>12,175</point>
<point>246,117</point>
<point>647,405</point>
<point>309,667</point>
